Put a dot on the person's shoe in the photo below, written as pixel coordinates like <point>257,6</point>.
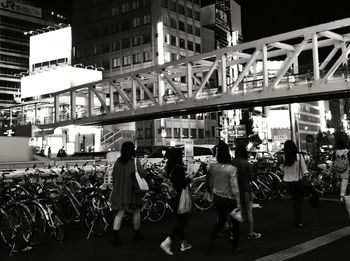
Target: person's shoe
<point>342,199</point>
<point>236,251</point>
<point>254,236</point>
<point>300,225</point>
<point>185,246</point>
<point>166,246</point>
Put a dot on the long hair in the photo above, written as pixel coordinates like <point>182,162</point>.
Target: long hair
<point>174,158</point>
<point>341,140</point>
<point>223,155</point>
<point>127,152</point>
<point>241,152</point>
<point>290,153</point>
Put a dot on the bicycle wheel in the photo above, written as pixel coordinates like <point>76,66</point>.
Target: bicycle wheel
<point>200,201</point>
<point>57,228</point>
<point>18,237</point>
<point>156,211</point>
<point>97,216</point>
<point>40,222</point>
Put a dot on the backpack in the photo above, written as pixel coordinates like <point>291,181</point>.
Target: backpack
<point>341,162</point>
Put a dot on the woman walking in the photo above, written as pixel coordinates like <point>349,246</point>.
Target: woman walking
<point>294,170</point>
<point>175,169</point>
<point>124,197</point>
<point>245,176</point>
<point>224,186</point>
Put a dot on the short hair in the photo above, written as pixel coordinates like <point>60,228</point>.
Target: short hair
<point>127,151</point>
<point>241,152</point>
<point>223,155</point>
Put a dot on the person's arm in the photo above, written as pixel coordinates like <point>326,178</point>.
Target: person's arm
<point>140,169</point>
<point>234,186</point>
<point>303,167</point>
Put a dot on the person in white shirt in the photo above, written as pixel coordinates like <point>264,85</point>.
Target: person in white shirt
<point>294,169</point>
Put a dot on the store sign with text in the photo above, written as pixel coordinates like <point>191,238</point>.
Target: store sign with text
<point>20,8</point>
<point>221,18</point>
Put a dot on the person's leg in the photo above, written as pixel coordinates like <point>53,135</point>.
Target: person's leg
<point>235,235</point>
<point>343,186</point>
<point>117,224</point>
<point>292,188</point>
<point>183,220</point>
<point>248,206</point>
<point>221,213</point>
<point>136,220</point>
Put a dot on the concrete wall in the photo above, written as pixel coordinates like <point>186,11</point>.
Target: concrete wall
<point>13,149</point>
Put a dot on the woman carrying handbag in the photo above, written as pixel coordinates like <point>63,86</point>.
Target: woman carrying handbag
<point>294,170</point>
<point>175,169</point>
<point>124,195</point>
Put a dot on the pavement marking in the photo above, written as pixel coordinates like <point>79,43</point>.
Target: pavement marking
<point>330,199</point>
<point>307,246</point>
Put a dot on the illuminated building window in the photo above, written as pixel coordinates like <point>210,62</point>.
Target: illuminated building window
<point>146,56</point>
<point>135,4</point>
<point>176,132</point>
<point>115,45</point>
<point>136,22</point>
<point>137,58</point>
<point>116,62</point>
<point>136,40</point>
<point>139,134</point>
<point>148,133</point>
<point>125,8</point>
<point>146,19</point>
<point>126,60</point>
<point>115,10</point>
<point>168,132</point>
<point>95,50</point>
<point>173,23</point>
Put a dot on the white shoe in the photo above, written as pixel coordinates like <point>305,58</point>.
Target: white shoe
<point>166,246</point>
<point>185,246</point>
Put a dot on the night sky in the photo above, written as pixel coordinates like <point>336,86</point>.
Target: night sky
<point>261,18</point>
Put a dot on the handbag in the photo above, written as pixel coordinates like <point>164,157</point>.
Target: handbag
<point>185,204</point>
<point>141,182</point>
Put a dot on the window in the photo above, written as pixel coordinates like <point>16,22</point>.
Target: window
<point>146,56</point>
<point>198,47</point>
<point>197,15</point>
<point>173,23</point>
<point>105,64</point>
<point>148,133</point>
<point>125,8</point>
<point>115,45</point>
<point>137,58</point>
<point>127,60</point>
<point>126,43</point>
<point>116,62</point>
<point>197,31</point>
<point>181,26</point>
<point>185,133</point>
<point>213,132</point>
<point>193,116</point>
<point>213,116</point>
<point>173,57</point>
<point>136,22</point>
<point>173,40</point>
<point>105,48</point>
<point>207,133</point>
<point>168,132</point>
<point>146,19</point>
<point>125,25</point>
<point>200,133</point>
<point>189,29</point>
<point>189,12</point>
<point>172,6</point>
<point>166,20</point>
<point>181,9</point>
<point>115,10</point>
<point>139,134</point>
<point>136,40</point>
<point>95,50</point>
<point>146,2</point>
<point>190,45</point>
<point>146,38</point>
<point>182,43</point>
<point>135,4</point>
<point>176,132</point>
<point>193,133</point>
<point>86,52</point>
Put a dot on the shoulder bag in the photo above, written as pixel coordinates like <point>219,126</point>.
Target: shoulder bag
<point>141,182</point>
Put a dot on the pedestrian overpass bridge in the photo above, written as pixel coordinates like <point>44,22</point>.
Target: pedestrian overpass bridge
<point>233,77</point>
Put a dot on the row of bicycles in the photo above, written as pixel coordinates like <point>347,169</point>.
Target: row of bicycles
<point>36,204</point>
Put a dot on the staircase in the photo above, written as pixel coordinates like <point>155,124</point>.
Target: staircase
<point>114,139</point>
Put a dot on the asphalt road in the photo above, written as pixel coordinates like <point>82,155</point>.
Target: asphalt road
<point>273,220</point>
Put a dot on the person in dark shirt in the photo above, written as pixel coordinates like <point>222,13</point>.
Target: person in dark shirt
<point>176,170</point>
<point>245,176</point>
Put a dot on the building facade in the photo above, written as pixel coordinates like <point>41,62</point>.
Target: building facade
<point>16,18</point>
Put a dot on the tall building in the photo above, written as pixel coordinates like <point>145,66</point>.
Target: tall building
<point>123,36</point>
<point>16,18</point>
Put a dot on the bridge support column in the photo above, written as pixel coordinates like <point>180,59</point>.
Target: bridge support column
<point>315,57</point>
<point>161,88</point>
<point>73,105</point>
<point>223,74</point>
<point>265,71</point>
<point>57,108</point>
<point>111,97</point>
<point>91,102</point>
<point>189,80</point>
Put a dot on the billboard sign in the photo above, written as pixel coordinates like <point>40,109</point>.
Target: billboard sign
<point>50,46</point>
<point>237,131</point>
<point>221,17</point>
<point>20,8</point>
